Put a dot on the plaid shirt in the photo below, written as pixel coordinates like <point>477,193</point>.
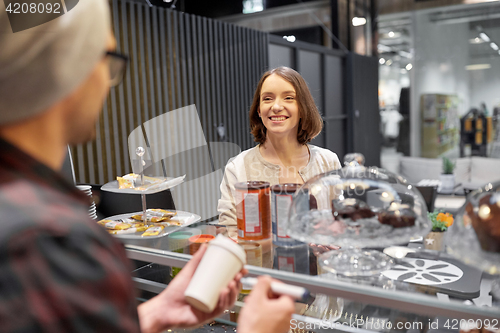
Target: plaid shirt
<point>59,270</point>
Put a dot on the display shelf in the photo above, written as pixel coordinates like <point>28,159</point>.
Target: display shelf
<point>439,124</point>
<point>398,298</point>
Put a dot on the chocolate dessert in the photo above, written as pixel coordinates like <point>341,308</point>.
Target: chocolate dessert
<point>353,209</point>
<point>398,216</point>
<point>486,222</point>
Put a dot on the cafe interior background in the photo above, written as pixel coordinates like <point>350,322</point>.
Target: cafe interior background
<point>404,82</point>
<point>392,78</point>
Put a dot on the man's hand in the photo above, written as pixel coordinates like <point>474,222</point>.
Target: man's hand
<point>170,310</point>
<point>264,312</point>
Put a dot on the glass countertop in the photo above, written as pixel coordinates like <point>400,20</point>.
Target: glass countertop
<point>419,288</point>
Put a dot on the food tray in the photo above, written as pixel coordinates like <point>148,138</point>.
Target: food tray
<point>188,218</point>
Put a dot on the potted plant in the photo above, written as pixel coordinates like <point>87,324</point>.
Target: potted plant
<point>447,177</point>
<point>440,223</point>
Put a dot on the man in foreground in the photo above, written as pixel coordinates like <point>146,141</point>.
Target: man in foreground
<point>59,271</point>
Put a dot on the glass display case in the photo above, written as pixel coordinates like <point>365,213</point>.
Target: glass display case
<point>423,290</point>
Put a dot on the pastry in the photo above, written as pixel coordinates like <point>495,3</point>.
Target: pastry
<point>353,209</point>
<point>397,216</point>
<point>486,221</point>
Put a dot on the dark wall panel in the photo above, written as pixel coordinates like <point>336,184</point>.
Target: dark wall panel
<point>334,81</point>
<point>311,69</point>
<point>281,56</point>
<point>336,132</point>
<point>362,106</point>
<point>334,111</point>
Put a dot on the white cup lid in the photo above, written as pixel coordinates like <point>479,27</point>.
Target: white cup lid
<point>231,246</point>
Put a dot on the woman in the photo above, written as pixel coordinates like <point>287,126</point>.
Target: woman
<point>283,120</point>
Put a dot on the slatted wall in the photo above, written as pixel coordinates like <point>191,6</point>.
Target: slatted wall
<point>176,60</point>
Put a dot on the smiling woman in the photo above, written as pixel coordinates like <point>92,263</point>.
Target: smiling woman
<point>283,120</point>
<point>284,88</point>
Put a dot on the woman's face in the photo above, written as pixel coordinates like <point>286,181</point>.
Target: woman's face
<point>278,107</point>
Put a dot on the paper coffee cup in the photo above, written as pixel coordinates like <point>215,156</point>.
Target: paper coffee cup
<point>222,261</point>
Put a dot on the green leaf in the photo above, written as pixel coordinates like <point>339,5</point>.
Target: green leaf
<point>437,225</point>
<point>448,166</point>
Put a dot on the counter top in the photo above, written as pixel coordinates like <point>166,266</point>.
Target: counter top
<point>428,284</point>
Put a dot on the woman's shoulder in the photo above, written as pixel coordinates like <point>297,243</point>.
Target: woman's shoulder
<point>325,155</point>
<point>322,152</point>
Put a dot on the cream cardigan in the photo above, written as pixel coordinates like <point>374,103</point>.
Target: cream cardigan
<point>249,165</point>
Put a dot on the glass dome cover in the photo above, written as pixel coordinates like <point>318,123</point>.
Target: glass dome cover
<point>357,206</point>
<point>474,237</point>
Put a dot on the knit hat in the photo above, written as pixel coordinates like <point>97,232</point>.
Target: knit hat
<point>42,65</point>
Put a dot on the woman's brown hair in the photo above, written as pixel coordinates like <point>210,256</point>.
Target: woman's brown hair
<point>310,124</point>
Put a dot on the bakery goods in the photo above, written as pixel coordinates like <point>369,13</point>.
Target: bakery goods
<point>353,209</point>
<point>398,216</point>
<point>486,221</point>
<point>155,215</point>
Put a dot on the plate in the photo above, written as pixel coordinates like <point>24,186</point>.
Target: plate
<point>169,183</point>
<point>188,218</point>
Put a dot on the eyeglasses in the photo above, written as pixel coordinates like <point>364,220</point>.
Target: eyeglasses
<point>117,66</point>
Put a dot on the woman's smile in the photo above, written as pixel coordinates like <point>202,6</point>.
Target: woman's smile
<point>278,119</point>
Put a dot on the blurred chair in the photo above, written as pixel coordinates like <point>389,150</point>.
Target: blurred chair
<point>429,194</point>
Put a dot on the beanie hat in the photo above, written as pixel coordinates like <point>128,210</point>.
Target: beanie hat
<point>42,65</point>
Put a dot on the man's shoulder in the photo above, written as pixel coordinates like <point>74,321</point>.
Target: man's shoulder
<point>50,247</point>
<point>31,207</point>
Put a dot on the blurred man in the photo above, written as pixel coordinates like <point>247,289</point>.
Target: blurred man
<point>59,271</point>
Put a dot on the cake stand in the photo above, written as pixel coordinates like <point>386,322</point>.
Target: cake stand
<point>165,184</point>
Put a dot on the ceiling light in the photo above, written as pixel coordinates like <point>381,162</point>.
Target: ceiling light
<point>389,62</point>
<point>484,36</point>
<point>291,38</point>
<point>409,67</point>
<point>393,34</point>
<point>357,21</point>
<point>477,67</point>
<point>476,40</point>
<point>494,46</point>
<point>381,61</point>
